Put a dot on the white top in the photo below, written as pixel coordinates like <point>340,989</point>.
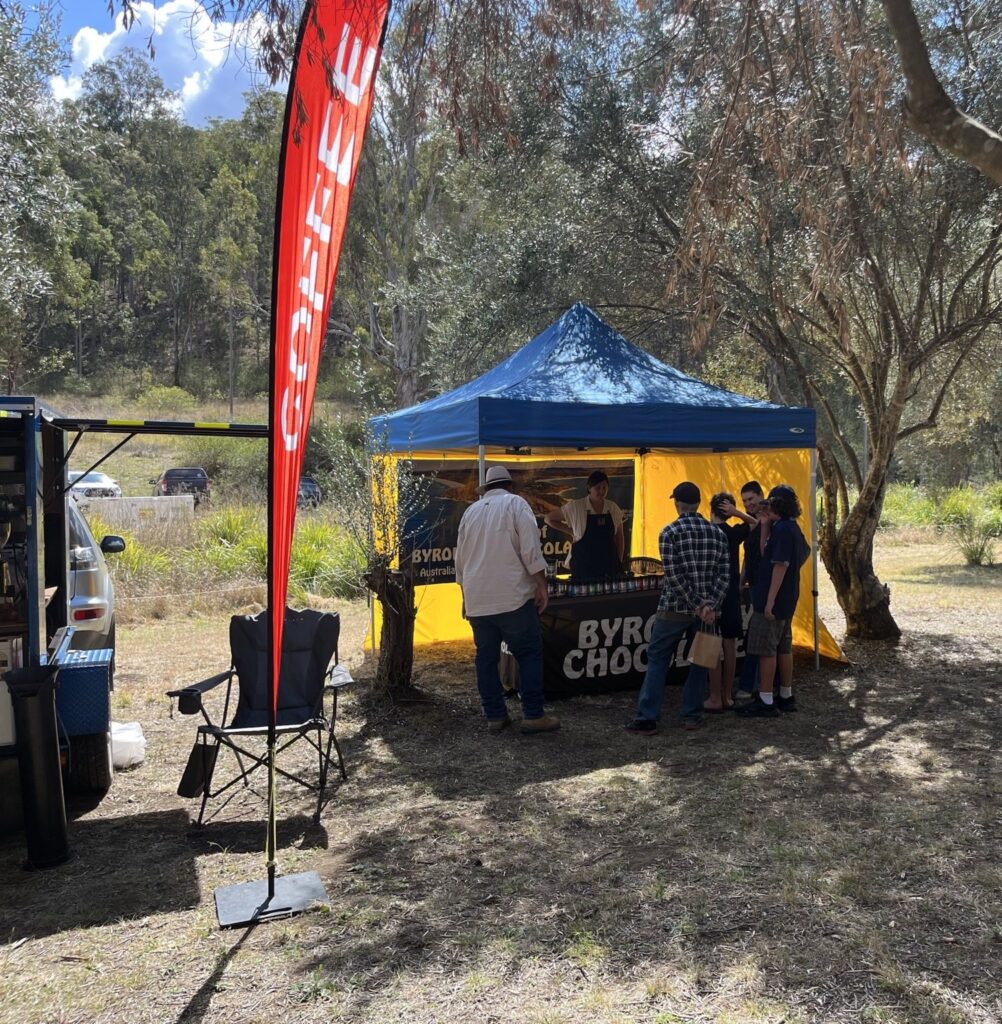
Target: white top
<point>576,515</point>
<point>497,554</point>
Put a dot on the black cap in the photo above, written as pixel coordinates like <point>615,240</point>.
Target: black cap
<point>687,493</point>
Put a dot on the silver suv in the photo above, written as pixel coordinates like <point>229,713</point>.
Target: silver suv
<point>92,597</point>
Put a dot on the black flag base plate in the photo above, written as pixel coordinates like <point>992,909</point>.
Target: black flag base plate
<point>248,903</point>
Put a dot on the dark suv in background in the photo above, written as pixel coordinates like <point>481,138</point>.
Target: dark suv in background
<point>309,495</point>
<point>187,480</point>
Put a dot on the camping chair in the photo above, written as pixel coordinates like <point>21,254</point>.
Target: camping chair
<point>309,673</point>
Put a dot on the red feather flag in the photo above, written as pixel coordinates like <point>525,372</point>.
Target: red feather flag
<point>326,114</point>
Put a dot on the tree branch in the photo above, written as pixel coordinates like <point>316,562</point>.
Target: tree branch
<point>929,110</point>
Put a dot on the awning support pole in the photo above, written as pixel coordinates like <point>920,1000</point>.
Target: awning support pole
<point>480,465</point>
<point>814,551</point>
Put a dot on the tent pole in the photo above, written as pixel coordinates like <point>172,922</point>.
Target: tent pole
<point>480,465</point>
<point>814,550</point>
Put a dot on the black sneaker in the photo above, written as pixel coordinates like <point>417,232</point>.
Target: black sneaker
<point>758,709</point>
<point>642,727</point>
<point>786,704</point>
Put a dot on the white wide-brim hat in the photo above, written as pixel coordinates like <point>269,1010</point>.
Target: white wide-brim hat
<point>495,475</point>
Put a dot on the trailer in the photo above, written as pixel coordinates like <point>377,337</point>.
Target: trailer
<point>35,585</point>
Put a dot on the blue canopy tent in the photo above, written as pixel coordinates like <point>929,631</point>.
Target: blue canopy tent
<point>580,383</point>
<point>581,391</point>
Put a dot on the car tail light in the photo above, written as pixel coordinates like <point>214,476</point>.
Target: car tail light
<point>82,614</point>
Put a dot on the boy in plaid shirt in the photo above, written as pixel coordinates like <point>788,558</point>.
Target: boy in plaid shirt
<point>697,572</point>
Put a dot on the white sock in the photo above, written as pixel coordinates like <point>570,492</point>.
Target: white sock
<point>786,692</point>
<point>766,698</point>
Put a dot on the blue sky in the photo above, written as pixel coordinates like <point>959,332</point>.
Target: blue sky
<point>205,64</point>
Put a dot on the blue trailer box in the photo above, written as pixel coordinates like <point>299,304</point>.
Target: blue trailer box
<point>83,702</point>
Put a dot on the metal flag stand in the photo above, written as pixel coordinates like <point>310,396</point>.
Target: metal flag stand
<point>250,903</point>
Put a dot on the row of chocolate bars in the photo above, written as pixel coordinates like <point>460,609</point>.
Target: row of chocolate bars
<point>620,585</point>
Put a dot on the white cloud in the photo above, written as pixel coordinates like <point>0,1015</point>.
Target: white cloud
<point>208,65</point>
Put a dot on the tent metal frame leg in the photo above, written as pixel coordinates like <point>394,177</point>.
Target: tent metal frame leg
<point>814,551</point>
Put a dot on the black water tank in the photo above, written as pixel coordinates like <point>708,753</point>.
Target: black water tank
<point>33,695</point>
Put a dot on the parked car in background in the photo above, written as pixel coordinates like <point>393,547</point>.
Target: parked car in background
<point>93,485</point>
<point>92,597</point>
<point>309,493</point>
<point>185,480</point>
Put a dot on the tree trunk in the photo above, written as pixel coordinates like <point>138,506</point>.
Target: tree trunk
<point>229,322</point>
<point>864,599</point>
<point>848,551</point>
<point>408,334</point>
<point>395,591</point>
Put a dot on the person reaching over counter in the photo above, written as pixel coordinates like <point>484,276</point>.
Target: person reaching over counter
<point>596,528</point>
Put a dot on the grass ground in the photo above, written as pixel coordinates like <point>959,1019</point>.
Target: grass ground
<point>840,865</point>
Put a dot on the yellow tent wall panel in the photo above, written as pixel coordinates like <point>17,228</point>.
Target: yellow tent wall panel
<point>439,607</point>
<point>727,471</point>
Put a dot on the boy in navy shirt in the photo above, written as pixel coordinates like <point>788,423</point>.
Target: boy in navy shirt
<point>775,592</point>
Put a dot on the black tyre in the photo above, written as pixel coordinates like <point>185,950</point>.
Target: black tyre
<point>90,768</point>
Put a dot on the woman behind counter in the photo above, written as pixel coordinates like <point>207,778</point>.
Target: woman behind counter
<point>596,528</point>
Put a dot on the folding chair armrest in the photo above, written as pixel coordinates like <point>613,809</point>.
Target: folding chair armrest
<point>189,698</point>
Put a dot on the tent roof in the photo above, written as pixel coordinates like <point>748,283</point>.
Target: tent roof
<point>581,384</point>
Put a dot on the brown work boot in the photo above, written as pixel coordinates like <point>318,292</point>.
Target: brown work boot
<point>545,723</point>
<point>498,724</point>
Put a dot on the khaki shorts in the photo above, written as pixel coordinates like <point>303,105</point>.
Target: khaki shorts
<point>769,637</point>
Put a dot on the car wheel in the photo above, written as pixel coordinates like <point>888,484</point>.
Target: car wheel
<point>90,768</point>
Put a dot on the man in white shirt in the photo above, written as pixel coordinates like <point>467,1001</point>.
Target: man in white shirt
<point>500,566</point>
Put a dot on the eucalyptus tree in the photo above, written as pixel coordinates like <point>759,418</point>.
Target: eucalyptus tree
<point>36,203</point>
<point>839,241</point>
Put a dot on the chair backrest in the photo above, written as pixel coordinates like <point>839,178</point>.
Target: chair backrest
<point>309,642</point>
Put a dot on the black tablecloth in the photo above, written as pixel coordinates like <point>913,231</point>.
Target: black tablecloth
<point>594,644</point>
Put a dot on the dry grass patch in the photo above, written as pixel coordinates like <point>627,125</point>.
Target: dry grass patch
<point>840,865</point>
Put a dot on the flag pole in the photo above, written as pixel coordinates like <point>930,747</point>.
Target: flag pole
<point>326,115</point>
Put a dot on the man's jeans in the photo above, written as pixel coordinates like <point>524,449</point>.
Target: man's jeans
<point>665,638</point>
<point>748,680</point>
<point>520,631</point>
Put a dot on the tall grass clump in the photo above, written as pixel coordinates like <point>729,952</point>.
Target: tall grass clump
<point>325,560</point>
<point>958,506</point>
<point>975,540</point>
<point>160,401</point>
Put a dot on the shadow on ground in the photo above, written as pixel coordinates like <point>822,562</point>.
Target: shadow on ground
<point>121,868</point>
<point>844,857</point>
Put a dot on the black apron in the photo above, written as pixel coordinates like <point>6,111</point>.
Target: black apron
<point>593,557</point>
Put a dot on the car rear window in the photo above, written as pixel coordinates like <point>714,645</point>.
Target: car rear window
<point>185,474</point>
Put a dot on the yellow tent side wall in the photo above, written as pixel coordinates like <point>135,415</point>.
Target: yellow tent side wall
<point>439,607</point>
<point>727,471</point>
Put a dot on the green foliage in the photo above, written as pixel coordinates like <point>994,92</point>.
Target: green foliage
<point>160,401</point>
<point>229,547</point>
<point>230,526</point>
<point>992,495</point>
<point>325,560</point>
<point>906,505</point>
<point>957,507</point>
